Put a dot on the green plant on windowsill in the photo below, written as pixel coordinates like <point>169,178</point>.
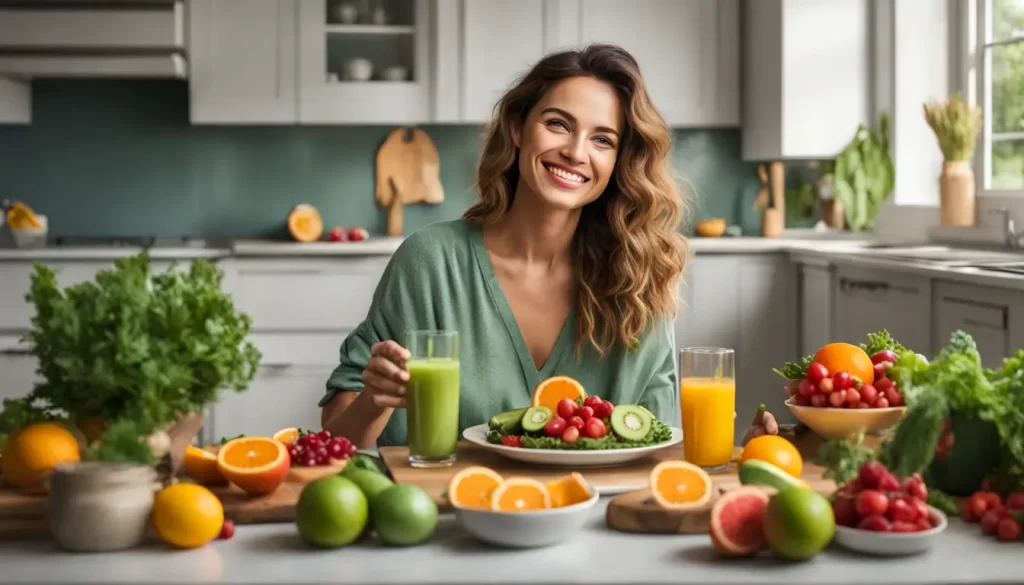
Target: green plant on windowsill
<point>863,175</point>
<point>956,126</point>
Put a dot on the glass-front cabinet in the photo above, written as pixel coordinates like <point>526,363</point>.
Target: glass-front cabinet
<point>364,61</point>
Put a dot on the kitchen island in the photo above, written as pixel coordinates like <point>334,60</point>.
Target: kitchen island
<point>273,553</point>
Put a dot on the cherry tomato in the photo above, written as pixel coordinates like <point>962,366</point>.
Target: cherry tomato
<point>872,502</point>
<point>227,530</point>
<point>566,408</point>
<point>1008,530</point>
<point>576,421</point>
<point>881,402</point>
<point>990,521</point>
<point>837,399</point>
<point>916,489</point>
<point>585,413</point>
<point>1015,501</point>
<point>978,504</point>
<point>993,499</point>
<point>868,393</point>
<point>819,400</point>
<point>886,355</point>
<point>882,383</point>
<point>816,372</point>
<point>889,483</point>
<point>511,441</point>
<point>571,434</point>
<point>903,526</point>
<point>603,409</point>
<point>826,385</point>
<point>901,510</point>
<point>882,369</point>
<point>875,523</point>
<point>801,400</point>
<point>870,474</point>
<point>324,436</point>
<point>591,401</point>
<point>555,427</point>
<point>852,397</point>
<point>842,381</point>
<point>923,513</point>
<point>807,388</point>
<point>845,511</point>
<point>595,428</point>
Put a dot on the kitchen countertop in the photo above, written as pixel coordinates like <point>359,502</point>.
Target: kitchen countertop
<point>273,553</point>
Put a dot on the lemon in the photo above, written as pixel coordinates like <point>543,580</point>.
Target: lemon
<point>187,515</point>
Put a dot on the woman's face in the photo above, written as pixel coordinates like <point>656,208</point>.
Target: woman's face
<point>570,141</point>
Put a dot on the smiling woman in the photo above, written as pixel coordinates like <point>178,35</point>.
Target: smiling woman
<point>568,265</point>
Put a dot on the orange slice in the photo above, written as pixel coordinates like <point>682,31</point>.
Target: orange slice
<point>680,485</point>
<point>288,435</point>
<point>201,465</point>
<point>520,494</point>
<point>472,487</point>
<point>569,490</point>
<point>305,223</point>
<point>549,392</point>
<point>257,465</point>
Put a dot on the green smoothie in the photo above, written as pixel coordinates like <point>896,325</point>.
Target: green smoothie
<point>432,408</point>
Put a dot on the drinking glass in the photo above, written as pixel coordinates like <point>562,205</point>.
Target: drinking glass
<point>432,397</point>
<point>707,400</point>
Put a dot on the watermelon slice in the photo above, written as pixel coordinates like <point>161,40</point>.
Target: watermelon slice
<point>737,522</point>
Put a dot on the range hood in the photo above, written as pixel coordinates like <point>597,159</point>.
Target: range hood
<point>92,38</point>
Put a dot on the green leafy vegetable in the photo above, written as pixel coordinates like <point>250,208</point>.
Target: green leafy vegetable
<point>880,341</point>
<point>795,371</point>
<point>942,501</point>
<point>842,458</point>
<point>659,433</point>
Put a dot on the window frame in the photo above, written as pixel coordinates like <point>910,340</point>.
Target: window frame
<point>975,41</point>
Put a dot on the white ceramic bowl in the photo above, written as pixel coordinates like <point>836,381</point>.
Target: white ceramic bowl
<point>31,237</point>
<point>890,544</point>
<point>526,529</point>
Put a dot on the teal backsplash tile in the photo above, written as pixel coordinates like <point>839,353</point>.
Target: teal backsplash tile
<point>119,158</point>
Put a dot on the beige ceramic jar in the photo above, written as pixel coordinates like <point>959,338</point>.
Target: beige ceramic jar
<point>98,506</point>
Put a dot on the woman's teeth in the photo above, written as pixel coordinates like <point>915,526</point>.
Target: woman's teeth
<point>564,174</point>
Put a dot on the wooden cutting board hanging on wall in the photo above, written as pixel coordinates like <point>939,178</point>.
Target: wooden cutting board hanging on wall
<point>408,172</point>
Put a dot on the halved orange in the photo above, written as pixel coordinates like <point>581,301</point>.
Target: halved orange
<point>569,490</point>
<point>288,435</point>
<point>550,391</point>
<point>305,223</point>
<point>520,494</point>
<point>257,465</point>
<point>201,465</point>
<point>472,487</point>
<point>680,485</point>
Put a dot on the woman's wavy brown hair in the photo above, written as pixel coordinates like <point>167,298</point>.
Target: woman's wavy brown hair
<point>627,251</point>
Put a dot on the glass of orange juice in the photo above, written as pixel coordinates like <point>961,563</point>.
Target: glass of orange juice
<point>707,399</point>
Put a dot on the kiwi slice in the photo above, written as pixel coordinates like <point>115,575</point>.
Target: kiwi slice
<point>536,417</point>
<point>631,422</point>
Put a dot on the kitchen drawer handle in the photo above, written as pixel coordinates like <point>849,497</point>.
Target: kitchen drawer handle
<point>984,324</point>
<point>277,366</point>
<point>869,285</point>
<point>16,351</point>
<point>283,272</point>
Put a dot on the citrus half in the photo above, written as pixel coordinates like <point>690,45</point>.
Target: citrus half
<point>680,485</point>
<point>472,487</point>
<point>520,494</point>
<point>257,465</point>
<point>552,390</point>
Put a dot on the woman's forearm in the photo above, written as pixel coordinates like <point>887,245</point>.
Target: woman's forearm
<point>354,415</point>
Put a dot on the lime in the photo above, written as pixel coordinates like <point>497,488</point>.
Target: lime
<point>332,512</point>
<point>371,483</point>
<point>798,523</point>
<point>403,515</point>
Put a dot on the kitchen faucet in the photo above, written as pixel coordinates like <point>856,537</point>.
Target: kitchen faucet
<point>1013,239</point>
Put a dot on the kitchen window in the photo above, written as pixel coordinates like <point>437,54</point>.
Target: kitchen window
<point>995,71</point>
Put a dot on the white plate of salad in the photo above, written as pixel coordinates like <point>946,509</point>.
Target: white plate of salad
<point>541,435</point>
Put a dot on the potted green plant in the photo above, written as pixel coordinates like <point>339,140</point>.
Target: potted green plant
<point>859,178</point>
<point>956,126</point>
<point>133,358</point>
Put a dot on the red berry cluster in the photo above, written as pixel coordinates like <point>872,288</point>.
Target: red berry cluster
<point>998,517</point>
<point>312,449</point>
<point>878,501</point>
<point>573,421</point>
<point>823,389</point>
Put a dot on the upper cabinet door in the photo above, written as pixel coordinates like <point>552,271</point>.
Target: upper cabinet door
<point>242,61</point>
<point>688,51</point>
<point>364,62</point>
<point>15,102</point>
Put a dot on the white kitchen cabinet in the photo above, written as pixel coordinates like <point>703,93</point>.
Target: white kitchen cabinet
<point>17,368</point>
<point>868,300</point>
<point>711,319</point>
<point>992,316</point>
<point>243,66</point>
<point>280,396</point>
<point>815,307</point>
<point>327,47</point>
<point>15,101</point>
<point>806,84</point>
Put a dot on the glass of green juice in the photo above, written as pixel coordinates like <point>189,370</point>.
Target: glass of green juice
<point>432,397</point>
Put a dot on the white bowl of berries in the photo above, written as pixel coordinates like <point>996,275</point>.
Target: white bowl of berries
<point>844,391</point>
<point>880,514</point>
<point>315,454</point>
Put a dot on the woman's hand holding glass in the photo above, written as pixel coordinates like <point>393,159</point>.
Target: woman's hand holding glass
<point>385,375</point>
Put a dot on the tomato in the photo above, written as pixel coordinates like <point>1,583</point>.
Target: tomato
<point>868,393</point>
<point>993,499</point>
<point>842,381</point>
<point>571,434</point>
<point>903,526</point>
<point>819,400</point>
<point>883,384</point>
<point>816,372</point>
<point>576,421</point>
<point>881,369</point>
<point>566,408</point>
<point>923,513</point>
<point>863,404</point>
<point>886,355</point>
<point>227,530</point>
<point>511,441</point>
<point>923,524</point>
<point>990,521</point>
<point>902,510</point>
<point>603,409</point>
<point>826,386</point>
<point>915,488</point>
<point>852,397</point>
<point>1015,501</point>
<point>1008,530</point>
<point>977,504</point>
<point>801,400</point>
<point>875,523</point>
<point>585,413</point>
<point>870,474</point>
<point>591,401</point>
<point>595,428</point>
<point>894,397</point>
<point>889,483</point>
<point>807,388</point>
<point>837,399</point>
<point>845,511</point>
<point>881,402</point>
<point>555,427</point>
<point>871,503</point>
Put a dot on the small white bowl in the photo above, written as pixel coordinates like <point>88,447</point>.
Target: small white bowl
<point>890,544</point>
<point>31,237</point>
<point>533,529</point>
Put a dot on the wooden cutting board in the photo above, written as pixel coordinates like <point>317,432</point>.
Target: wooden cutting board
<point>408,171</point>
<point>24,516</point>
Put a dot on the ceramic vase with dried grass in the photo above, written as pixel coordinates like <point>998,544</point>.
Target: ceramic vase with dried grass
<point>956,126</point>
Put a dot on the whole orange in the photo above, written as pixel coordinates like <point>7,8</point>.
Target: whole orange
<point>845,357</point>
<point>187,515</point>
<point>775,450</point>
<point>32,452</point>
